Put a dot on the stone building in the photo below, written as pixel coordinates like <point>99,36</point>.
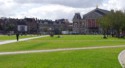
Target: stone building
<point>88,24</point>
<point>78,25</point>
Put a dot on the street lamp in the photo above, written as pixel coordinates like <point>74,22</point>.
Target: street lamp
<point>50,32</point>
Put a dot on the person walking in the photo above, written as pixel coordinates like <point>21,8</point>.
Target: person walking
<point>17,36</point>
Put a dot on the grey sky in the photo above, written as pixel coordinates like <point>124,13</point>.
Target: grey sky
<point>71,3</point>
<point>54,9</point>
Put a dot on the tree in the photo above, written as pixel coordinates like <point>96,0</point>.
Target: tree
<point>118,22</point>
<point>1,27</point>
<point>113,21</point>
<point>105,24</point>
<point>9,28</point>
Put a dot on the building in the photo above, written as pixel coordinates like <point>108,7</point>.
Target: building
<point>88,24</point>
<point>44,26</point>
<point>32,25</point>
<point>11,25</point>
<point>57,26</point>
<point>78,24</point>
<point>61,25</point>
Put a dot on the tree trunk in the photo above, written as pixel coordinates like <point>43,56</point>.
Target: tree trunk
<point>118,33</point>
<point>104,35</point>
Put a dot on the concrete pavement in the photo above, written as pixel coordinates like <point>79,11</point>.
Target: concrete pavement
<point>121,58</point>
<point>56,50</point>
<point>24,39</point>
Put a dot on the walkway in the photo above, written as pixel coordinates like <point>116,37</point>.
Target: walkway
<point>56,50</point>
<point>24,39</point>
<point>121,58</point>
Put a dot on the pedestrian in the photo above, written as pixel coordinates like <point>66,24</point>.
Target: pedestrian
<point>17,36</point>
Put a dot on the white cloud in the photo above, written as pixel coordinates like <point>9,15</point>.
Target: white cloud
<point>53,9</point>
<point>113,4</point>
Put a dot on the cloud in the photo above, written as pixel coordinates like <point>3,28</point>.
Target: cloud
<point>54,9</point>
<point>70,3</point>
<point>39,10</point>
<point>46,12</point>
<point>114,4</point>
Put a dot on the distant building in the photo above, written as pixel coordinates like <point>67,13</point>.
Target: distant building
<point>88,24</point>
<point>44,26</point>
<point>78,24</point>
<point>61,25</point>
<point>28,25</point>
<point>56,26</point>
<point>32,25</point>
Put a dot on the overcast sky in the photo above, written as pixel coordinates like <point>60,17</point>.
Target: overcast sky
<point>54,9</point>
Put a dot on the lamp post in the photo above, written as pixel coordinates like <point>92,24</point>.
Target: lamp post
<point>50,32</point>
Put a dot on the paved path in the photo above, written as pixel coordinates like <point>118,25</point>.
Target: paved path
<point>56,50</point>
<point>121,58</point>
<point>24,39</point>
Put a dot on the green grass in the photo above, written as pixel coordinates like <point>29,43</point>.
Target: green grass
<point>95,58</point>
<point>70,41</point>
<point>12,37</point>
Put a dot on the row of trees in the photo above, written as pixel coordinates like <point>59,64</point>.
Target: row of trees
<point>113,23</point>
<point>7,28</point>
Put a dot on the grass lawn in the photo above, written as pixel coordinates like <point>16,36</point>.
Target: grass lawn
<point>95,58</point>
<point>12,37</point>
<point>70,41</point>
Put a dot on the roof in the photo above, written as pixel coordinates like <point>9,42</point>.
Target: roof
<point>30,19</point>
<point>44,21</point>
<point>96,13</point>
<point>77,16</point>
<point>21,22</point>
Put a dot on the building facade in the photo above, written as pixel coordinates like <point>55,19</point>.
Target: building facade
<point>57,26</point>
<point>88,24</point>
<point>32,25</point>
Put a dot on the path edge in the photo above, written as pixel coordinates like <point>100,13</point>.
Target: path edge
<point>119,58</point>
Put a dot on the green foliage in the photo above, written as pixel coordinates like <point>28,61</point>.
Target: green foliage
<point>10,27</point>
<point>113,21</point>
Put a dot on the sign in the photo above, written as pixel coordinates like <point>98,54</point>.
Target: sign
<point>22,28</point>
